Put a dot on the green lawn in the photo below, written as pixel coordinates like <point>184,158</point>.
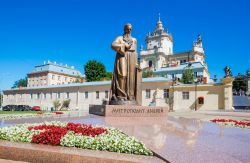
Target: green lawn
<point>19,112</point>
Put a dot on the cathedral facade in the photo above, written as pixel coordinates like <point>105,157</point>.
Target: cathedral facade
<point>158,56</point>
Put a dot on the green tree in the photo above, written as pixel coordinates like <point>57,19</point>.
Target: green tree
<point>94,71</point>
<point>147,74</point>
<point>78,79</point>
<point>65,104</point>
<point>170,102</point>
<point>108,76</point>
<point>20,83</point>
<point>240,82</point>
<point>56,104</point>
<point>188,76</point>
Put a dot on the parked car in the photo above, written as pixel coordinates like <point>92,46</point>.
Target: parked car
<point>22,108</point>
<point>36,108</point>
<point>9,107</point>
<point>6,108</point>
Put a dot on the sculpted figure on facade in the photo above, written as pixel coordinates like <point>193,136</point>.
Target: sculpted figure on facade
<point>227,71</point>
<point>124,82</point>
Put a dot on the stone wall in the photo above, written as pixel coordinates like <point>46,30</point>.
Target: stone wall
<point>215,96</point>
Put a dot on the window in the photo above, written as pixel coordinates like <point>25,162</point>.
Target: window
<point>183,61</point>
<point>53,76</point>
<point>173,76</point>
<point>166,93</point>
<point>38,96</point>
<point>150,63</point>
<point>58,95</point>
<point>86,95</point>
<point>67,95</point>
<point>51,95</point>
<point>201,100</point>
<point>185,95</point>
<point>147,93</point>
<point>59,77</point>
<point>106,94</point>
<point>97,95</point>
<point>195,74</point>
<point>31,96</point>
<point>44,95</point>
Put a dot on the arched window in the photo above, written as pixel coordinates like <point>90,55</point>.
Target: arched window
<point>200,100</point>
<point>150,63</point>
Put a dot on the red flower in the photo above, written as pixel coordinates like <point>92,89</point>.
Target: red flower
<point>53,134</point>
<point>236,123</point>
<point>58,112</point>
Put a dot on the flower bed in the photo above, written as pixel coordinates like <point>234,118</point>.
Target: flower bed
<point>230,122</point>
<point>75,135</point>
<point>28,115</point>
<point>58,112</point>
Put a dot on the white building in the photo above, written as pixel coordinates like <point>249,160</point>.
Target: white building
<point>160,58</point>
<point>53,74</point>
<point>158,91</point>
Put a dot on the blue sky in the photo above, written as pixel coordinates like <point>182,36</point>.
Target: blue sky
<point>73,32</point>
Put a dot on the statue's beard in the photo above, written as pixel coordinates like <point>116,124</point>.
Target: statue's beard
<point>127,37</point>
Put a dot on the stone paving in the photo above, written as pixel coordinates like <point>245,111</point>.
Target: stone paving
<point>179,137</point>
<point>208,115</point>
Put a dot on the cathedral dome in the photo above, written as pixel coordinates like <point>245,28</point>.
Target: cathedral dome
<point>159,25</point>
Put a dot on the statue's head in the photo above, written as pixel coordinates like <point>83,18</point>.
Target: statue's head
<point>127,28</point>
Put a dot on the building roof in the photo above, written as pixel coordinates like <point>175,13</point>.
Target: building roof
<point>96,83</point>
<point>195,65</point>
<point>181,53</point>
<point>53,67</point>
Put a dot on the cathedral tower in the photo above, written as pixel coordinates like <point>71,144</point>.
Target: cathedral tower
<point>158,45</point>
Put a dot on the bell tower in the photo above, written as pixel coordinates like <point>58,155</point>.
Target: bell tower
<point>197,46</point>
<point>159,44</point>
<point>160,39</point>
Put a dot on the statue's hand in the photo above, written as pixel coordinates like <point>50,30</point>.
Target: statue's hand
<point>128,46</point>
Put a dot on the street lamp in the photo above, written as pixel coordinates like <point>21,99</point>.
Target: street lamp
<point>171,99</point>
<point>195,100</point>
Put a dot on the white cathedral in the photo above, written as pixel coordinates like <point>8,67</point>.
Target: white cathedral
<point>159,57</point>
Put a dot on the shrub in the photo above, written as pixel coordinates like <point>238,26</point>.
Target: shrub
<point>65,104</point>
<point>56,104</point>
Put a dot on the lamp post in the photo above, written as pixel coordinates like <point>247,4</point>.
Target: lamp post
<point>172,97</point>
<point>195,100</point>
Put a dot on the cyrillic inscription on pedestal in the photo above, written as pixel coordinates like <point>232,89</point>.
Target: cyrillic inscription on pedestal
<point>134,111</point>
<point>128,111</point>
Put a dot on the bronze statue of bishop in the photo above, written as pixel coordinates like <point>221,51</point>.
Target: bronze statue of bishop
<point>124,87</point>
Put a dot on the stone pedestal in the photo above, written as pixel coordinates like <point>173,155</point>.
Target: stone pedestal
<point>128,111</point>
<point>228,92</point>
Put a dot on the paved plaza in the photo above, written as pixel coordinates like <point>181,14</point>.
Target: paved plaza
<point>179,137</point>
<point>209,115</point>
